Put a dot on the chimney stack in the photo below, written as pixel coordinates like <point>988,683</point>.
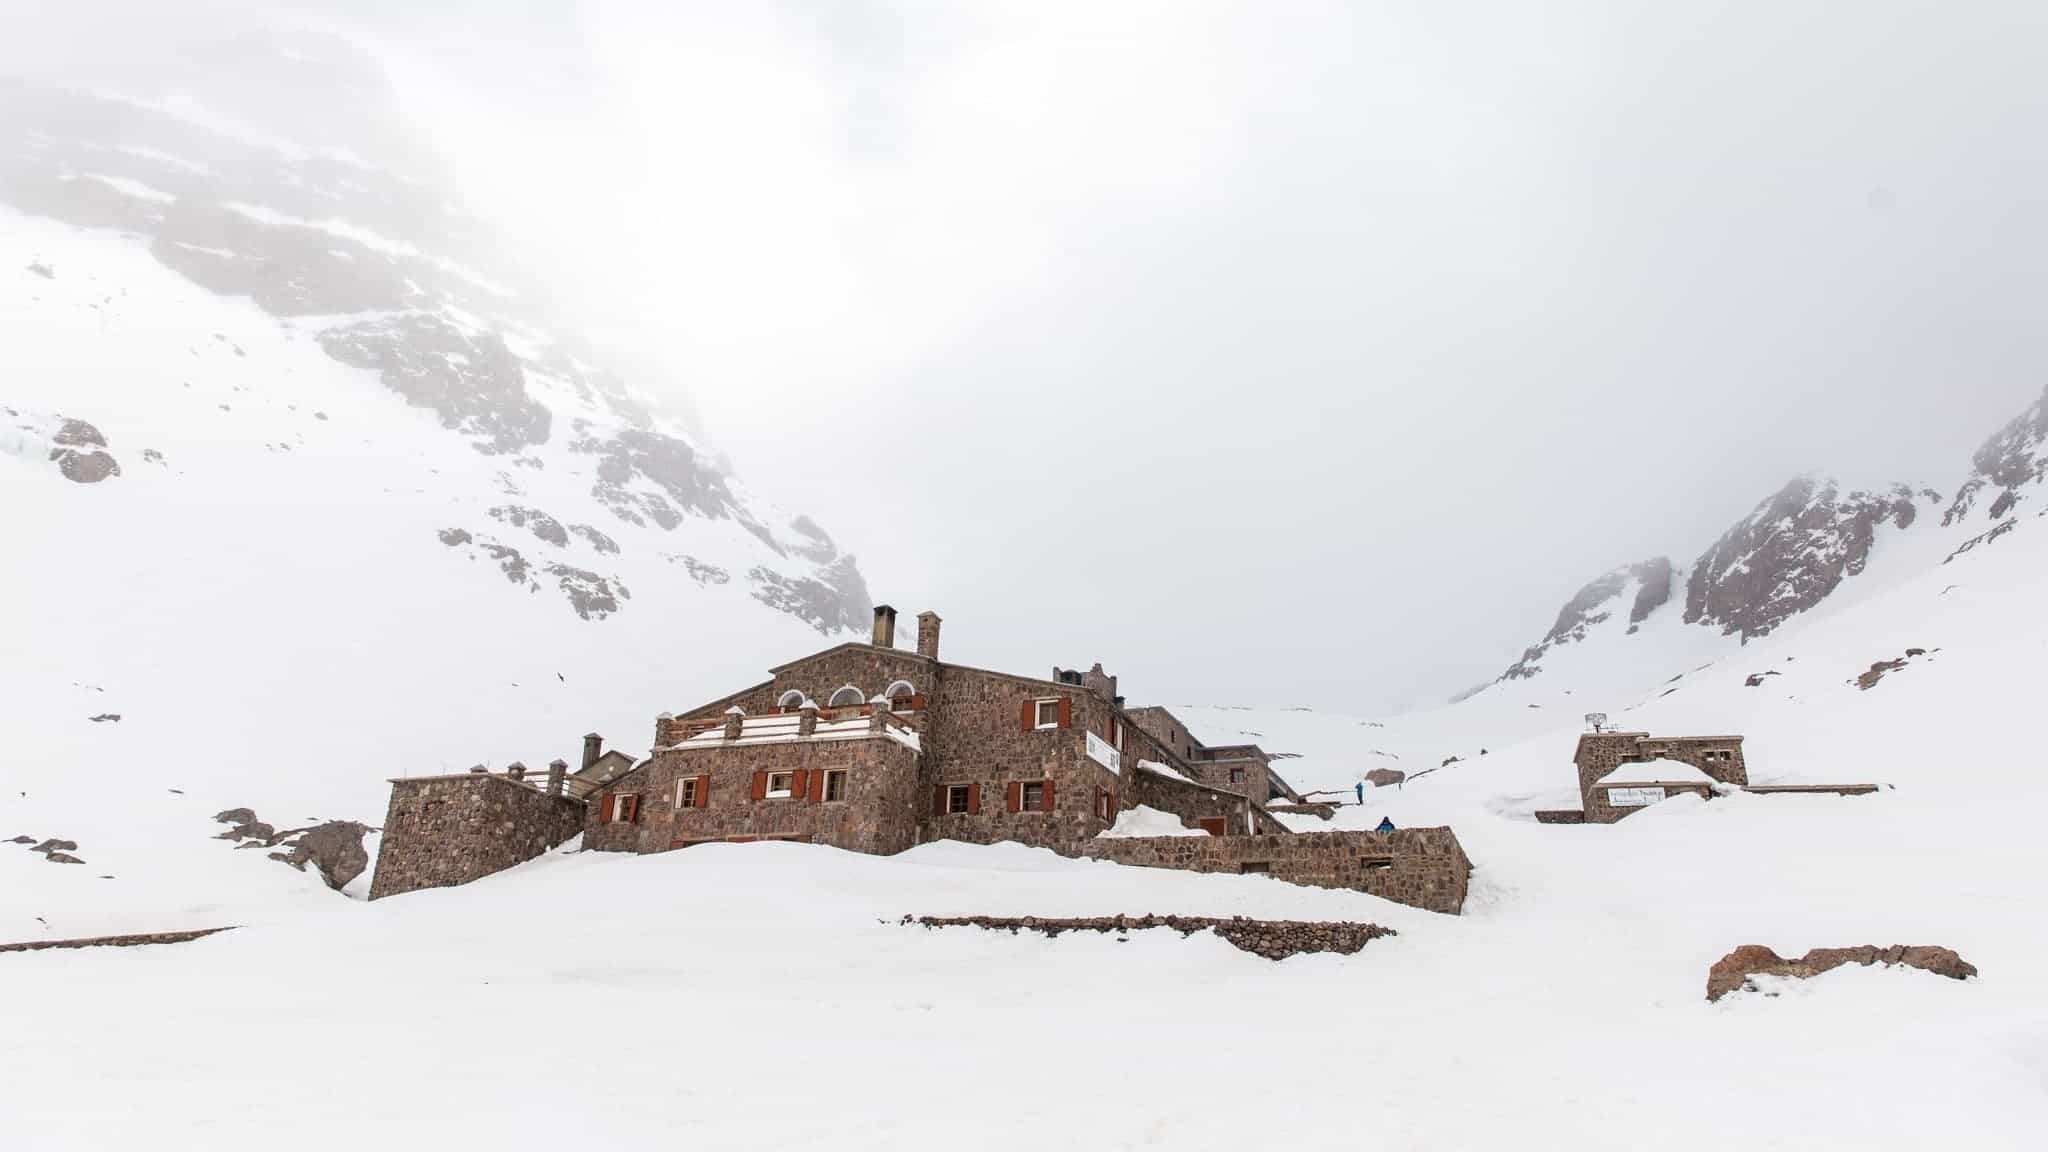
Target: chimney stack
<point>593,747</point>
<point>807,718</point>
<point>928,635</point>
<point>879,711</point>
<point>735,722</point>
<point>558,776</point>
<point>885,626</point>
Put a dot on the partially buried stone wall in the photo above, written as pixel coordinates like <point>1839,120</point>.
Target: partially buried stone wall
<point>1273,939</point>
<point>1194,803</point>
<point>447,830</point>
<point>1422,867</point>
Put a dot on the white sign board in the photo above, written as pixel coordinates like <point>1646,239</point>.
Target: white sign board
<point>1103,753</point>
<point>1633,797</point>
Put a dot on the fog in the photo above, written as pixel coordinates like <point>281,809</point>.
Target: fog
<point>1282,354</point>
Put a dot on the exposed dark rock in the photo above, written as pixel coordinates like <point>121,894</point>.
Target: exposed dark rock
<point>1756,679</point>
<point>106,718</point>
<point>1382,777</point>
<point>1983,538</point>
<point>130,941</point>
<point>632,455</point>
<point>1869,679</point>
<point>1592,605</point>
<point>49,846</point>
<point>596,539</point>
<point>62,858</point>
<point>79,451</point>
<point>1733,972</point>
<point>543,526</point>
<point>1789,554</point>
<point>476,385</point>
<point>44,270</point>
<point>699,571</point>
<point>152,456</point>
<point>593,596</point>
<point>835,602</point>
<point>456,537</point>
<point>23,840</point>
<point>2010,461</point>
<point>334,848</point>
<point>1272,939</point>
<point>812,543</point>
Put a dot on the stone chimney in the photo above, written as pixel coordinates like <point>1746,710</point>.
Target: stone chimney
<point>928,635</point>
<point>807,719</point>
<point>885,626</point>
<point>879,710</point>
<point>1099,682</point>
<point>662,724</point>
<point>735,719</point>
<point>516,771</point>
<point>593,747</point>
<point>558,776</point>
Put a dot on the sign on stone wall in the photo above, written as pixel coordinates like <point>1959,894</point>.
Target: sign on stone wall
<point>1633,797</point>
<point>1100,751</point>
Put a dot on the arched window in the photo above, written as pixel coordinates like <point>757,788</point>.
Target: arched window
<point>789,701</point>
<point>900,690</point>
<point>847,697</point>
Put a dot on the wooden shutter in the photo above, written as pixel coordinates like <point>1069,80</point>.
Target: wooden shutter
<point>939,800</point>
<point>800,783</point>
<point>1066,712</point>
<point>1048,792</point>
<point>760,791</point>
<point>974,799</point>
<point>817,789</point>
<point>604,809</point>
<point>704,791</point>
<point>1013,796</point>
<point>1030,715</point>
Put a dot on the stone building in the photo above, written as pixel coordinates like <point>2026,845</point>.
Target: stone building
<point>1621,773</point>
<point>874,748</point>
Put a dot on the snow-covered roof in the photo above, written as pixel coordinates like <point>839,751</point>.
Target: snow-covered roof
<point>1655,772</point>
<point>1158,769</point>
<point>782,728</point>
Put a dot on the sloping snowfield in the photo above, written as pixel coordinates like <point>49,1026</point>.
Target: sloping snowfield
<point>764,996</point>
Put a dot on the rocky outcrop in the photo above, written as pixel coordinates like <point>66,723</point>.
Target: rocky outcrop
<point>473,382</point>
<point>1272,939</point>
<point>589,595</point>
<point>1790,553</point>
<point>544,527</point>
<point>835,601</point>
<point>334,848</point>
<point>1383,777</point>
<point>1733,972</point>
<point>2011,461</point>
<point>80,453</point>
<point>1595,604</point>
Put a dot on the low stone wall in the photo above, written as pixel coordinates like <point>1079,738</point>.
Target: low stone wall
<point>1273,939</point>
<point>1423,867</point>
<point>1194,803</point>
<point>133,940</point>
<point>1319,811</point>
<point>1733,971</point>
<point>1560,816</point>
<point>447,830</point>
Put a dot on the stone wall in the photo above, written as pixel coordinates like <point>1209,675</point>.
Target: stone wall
<point>1241,768</point>
<point>1167,728</point>
<point>1273,939</point>
<point>1599,753</point>
<point>1601,810</point>
<point>878,815</point>
<point>976,734</point>
<point>446,830</point>
<point>1194,803</point>
<point>1423,867</point>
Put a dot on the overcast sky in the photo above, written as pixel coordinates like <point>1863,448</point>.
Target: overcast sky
<point>1280,352</point>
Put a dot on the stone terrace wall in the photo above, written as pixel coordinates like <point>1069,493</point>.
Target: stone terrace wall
<point>1422,867</point>
<point>1273,939</point>
<point>446,830</point>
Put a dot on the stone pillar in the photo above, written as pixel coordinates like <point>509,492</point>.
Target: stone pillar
<point>593,747</point>
<point>885,626</point>
<point>558,777</point>
<point>735,719</point>
<point>661,729</point>
<point>478,769</point>
<point>807,719</point>
<point>878,715</point>
<point>928,635</point>
<point>515,771</point>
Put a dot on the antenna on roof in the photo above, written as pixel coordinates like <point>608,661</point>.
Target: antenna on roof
<point>1597,720</point>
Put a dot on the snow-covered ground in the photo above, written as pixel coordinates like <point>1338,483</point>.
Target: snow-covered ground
<point>764,996</point>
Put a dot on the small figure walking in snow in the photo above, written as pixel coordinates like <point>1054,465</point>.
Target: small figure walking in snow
<point>1386,824</point>
<point>1360,789</point>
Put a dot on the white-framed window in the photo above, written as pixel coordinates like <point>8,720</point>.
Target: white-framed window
<point>957,799</point>
<point>899,690</point>
<point>1237,775</point>
<point>686,792</point>
<point>789,701</point>
<point>835,785</point>
<point>846,697</point>
<point>626,807</point>
<point>781,785</point>
<point>1033,796</point>
<point>1116,733</point>
<point>1045,714</point>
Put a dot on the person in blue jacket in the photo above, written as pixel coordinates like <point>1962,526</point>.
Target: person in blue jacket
<point>1360,787</point>
<point>1386,824</point>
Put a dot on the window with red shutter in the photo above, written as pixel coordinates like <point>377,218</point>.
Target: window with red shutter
<point>760,787</point>
<point>704,791</point>
<point>1013,796</point>
<point>939,800</point>
<point>1066,713</point>
<point>974,799</point>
